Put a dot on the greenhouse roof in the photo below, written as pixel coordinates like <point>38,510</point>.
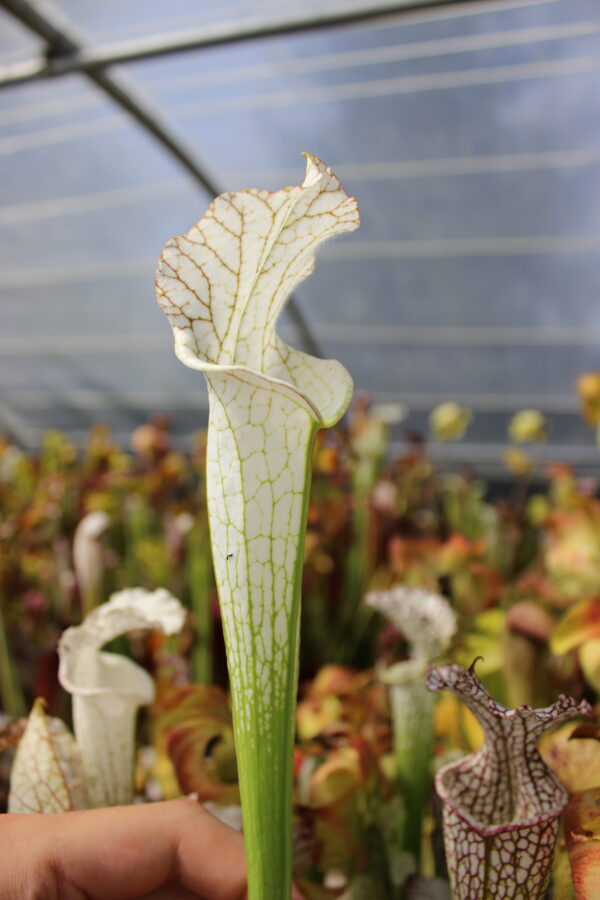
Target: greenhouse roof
<point>468,132</point>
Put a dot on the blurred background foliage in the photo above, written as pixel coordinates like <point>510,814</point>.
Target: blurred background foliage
<point>518,561</point>
<point>80,523</point>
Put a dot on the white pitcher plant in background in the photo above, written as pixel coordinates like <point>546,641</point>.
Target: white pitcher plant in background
<point>54,772</point>
<point>428,623</point>
<point>223,285</point>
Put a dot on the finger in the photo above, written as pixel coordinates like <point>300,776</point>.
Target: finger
<point>170,892</point>
<point>122,853</point>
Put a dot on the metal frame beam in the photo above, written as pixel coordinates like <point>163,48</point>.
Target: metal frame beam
<point>94,398</point>
<point>66,56</point>
<point>63,43</point>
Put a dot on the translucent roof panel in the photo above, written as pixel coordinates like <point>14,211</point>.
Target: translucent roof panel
<point>466,135</point>
<point>17,43</point>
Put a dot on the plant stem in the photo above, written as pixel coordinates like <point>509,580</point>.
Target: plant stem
<point>11,692</point>
<point>258,505</point>
<point>412,718</point>
<point>199,580</point>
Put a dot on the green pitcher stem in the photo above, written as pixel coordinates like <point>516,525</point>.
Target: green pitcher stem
<point>258,506</point>
<point>265,756</point>
<point>199,579</point>
<point>412,719</point>
<point>11,694</point>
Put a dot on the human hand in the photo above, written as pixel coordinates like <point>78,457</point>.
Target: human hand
<point>174,850</point>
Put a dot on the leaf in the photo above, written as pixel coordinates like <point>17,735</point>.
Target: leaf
<point>12,733</point>
<point>589,660</point>
<point>449,421</point>
<point>528,425</point>
<point>572,752</point>
<point>334,789</point>
<point>582,833</point>
<point>572,548</point>
<point>194,724</point>
<point>47,774</point>
<point>580,624</point>
<point>314,714</point>
<point>456,723</point>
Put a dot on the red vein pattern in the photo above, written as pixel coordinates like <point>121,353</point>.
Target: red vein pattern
<point>47,773</point>
<point>502,803</point>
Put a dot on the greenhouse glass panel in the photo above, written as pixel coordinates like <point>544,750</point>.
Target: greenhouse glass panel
<point>464,132</point>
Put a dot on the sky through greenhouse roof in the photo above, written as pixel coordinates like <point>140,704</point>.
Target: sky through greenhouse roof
<point>467,132</point>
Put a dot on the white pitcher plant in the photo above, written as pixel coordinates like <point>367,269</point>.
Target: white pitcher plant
<point>429,624</point>
<point>222,286</point>
<point>54,772</point>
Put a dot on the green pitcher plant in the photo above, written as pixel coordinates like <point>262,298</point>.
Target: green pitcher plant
<point>222,286</point>
<point>56,772</point>
<point>501,804</point>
